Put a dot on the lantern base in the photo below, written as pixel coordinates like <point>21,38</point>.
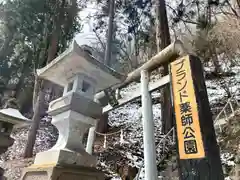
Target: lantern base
<point>65,157</point>
<point>61,172</point>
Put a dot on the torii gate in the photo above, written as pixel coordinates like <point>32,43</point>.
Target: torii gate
<point>198,152</point>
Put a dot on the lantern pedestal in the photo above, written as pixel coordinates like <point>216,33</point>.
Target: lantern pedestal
<point>62,172</point>
<point>73,115</point>
<point>65,157</point>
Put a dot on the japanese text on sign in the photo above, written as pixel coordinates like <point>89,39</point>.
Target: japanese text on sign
<point>188,129</point>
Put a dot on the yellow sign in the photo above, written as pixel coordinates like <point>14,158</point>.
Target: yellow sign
<point>189,135</point>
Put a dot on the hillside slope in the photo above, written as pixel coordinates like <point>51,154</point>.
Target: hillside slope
<point>123,154</point>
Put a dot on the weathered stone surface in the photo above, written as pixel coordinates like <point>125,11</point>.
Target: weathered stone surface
<point>76,60</point>
<point>72,127</point>
<point>69,148</point>
<point>62,173</point>
<point>65,157</point>
<point>75,102</point>
<point>37,176</point>
<point>75,112</point>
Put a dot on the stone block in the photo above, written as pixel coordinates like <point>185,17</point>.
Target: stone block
<point>75,102</point>
<point>65,157</point>
<point>71,127</point>
<point>61,172</point>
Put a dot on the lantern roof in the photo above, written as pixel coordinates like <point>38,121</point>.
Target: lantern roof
<point>13,116</point>
<point>77,60</point>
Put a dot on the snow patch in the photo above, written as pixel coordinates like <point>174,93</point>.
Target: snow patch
<point>227,159</point>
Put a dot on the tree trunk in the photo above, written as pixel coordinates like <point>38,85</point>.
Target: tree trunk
<point>38,97</point>
<point>52,51</point>
<point>215,60</point>
<point>102,124</point>
<point>107,57</point>
<point>163,40</point>
<point>35,125</point>
<point>4,50</point>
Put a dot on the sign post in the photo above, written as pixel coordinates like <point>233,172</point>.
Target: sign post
<point>199,157</point>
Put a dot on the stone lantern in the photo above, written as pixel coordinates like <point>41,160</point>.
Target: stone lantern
<point>9,118</point>
<point>82,76</point>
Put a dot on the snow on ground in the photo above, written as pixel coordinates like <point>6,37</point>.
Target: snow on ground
<point>129,115</point>
<point>227,159</point>
<point>46,137</point>
<point>130,119</point>
<point>116,178</point>
<point>215,88</point>
<point>227,178</point>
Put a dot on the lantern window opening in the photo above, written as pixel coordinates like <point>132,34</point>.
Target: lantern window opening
<point>70,86</point>
<point>6,127</point>
<point>85,86</point>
